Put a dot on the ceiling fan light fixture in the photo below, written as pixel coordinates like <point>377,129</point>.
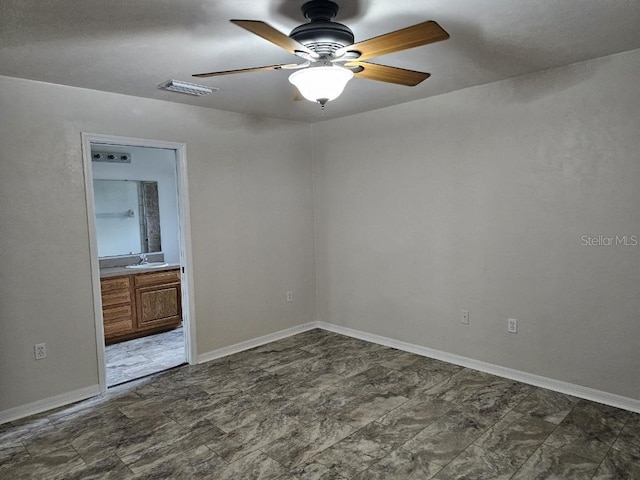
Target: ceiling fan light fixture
<point>321,84</point>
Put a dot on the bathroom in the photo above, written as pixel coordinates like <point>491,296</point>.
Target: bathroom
<point>138,245</point>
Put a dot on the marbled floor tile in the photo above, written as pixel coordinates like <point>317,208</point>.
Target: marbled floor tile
<point>393,358</point>
<point>143,439</point>
<point>401,465</point>
<point>51,465</point>
<point>415,415</point>
<point>619,465</point>
<point>24,430</point>
<point>100,414</point>
<point>426,364</point>
<point>190,411</point>
<point>589,430</point>
<point>312,471</point>
<point>254,435</point>
<point>319,403</point>
<point>95,445</point>
<point>379,379</point>
<point>463,384</point>
<point>306,441</point>
<point>12,454</point>
<point>158,385</point>
<point>345,364</point>
<point>479,464</point>
<point>238,380</point>
<point>445,438</point>
<point>550,463</point>
<point>359,450</point>
<point>255,466</point>
<point>201,463</point>
<point>181,445</point>
<point>228,409</point>
<point>161,403</point>
<point>629,439</point>
<point>110,468</point>
<point>495,400</point>
<point>367,408</point>
<point>285,358</point>
<point>547,405</point>
<point>424,380</point>
<point>103,426</point>
<point>49,439</point>
<point>515,436</point>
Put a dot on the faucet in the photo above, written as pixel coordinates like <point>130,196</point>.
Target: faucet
<point>143,259</point>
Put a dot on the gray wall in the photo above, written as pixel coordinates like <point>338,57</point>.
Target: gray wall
<point>479,199</point>
<point>251,217</point>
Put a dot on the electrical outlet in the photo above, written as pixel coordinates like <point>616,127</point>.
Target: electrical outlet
<point>512,325</point>
<point>40,350</point>
<point>289,296</point>
<point>465,317</point>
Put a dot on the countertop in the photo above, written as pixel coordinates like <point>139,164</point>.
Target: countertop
<point>118,271</point>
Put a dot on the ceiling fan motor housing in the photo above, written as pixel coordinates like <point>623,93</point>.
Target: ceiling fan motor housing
<point>321,34</point>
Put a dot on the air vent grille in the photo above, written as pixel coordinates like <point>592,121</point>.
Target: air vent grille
<point>185,87</point>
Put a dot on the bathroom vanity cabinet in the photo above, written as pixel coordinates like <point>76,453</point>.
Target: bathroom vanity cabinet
<point>140,304</point>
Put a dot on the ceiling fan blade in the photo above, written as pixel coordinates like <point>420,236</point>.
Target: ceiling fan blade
<point>274,36</point>
<point>410,37</point>
<point>245,70</point>
<point>384,73</point>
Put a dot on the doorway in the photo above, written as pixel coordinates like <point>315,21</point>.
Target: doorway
<point>138,216</point>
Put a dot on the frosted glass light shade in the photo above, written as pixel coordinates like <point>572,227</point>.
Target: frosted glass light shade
<point>321,84</point>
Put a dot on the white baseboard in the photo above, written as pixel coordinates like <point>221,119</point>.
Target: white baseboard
<point>255,342</point>
<point>48,403</point>
<point>524,377</point>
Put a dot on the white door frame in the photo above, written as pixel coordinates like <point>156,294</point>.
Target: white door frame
<point>184,221</point>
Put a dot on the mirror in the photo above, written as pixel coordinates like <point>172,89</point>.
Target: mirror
<point>127,217</point>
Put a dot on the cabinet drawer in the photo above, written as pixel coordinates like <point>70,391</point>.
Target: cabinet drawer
<point>116,298</point>
<point>117,321</point>
<point>116,314</point>
<point>157,278</point>
<point>115,284</point>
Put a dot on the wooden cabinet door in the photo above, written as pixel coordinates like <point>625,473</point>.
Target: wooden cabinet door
<point>158,306</point>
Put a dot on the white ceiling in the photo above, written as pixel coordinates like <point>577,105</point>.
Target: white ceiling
<point>130,47</point>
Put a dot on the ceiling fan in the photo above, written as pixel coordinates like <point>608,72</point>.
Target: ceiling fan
<point>331,58</point>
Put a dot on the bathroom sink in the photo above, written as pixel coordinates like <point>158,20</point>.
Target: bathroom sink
<point>148,265</point>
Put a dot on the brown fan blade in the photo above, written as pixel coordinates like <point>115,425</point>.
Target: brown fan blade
<point>245,70</point>
<point>274,36</point>
<point>410,37</point>
<point>384,73</point>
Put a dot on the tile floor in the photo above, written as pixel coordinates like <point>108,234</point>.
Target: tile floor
<point>321,406</point>
<point>140,357</point>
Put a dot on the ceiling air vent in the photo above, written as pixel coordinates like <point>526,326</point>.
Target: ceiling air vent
<point>186,87</point>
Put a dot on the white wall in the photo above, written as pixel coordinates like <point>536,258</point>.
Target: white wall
<point>152,164</point>
<point>251,217</point>
<point>479,199</point>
